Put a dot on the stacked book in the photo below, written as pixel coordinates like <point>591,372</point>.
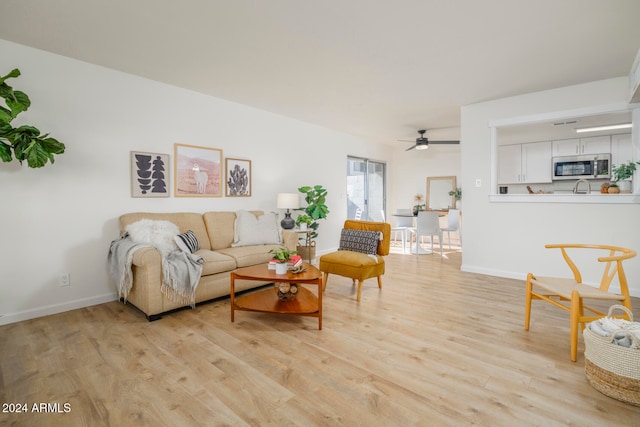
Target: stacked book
<point>294,261</point>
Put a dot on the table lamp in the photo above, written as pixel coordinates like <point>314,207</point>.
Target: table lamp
<point>288,201</point>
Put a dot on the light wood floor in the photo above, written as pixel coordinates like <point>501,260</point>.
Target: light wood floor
<point>434,347</point>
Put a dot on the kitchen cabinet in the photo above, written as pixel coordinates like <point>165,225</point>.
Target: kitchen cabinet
<point>524,163</point>
<point>575,146</point>
<point>621,149</point>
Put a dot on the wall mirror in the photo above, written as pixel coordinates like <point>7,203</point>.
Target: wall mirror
<point>438,188</point>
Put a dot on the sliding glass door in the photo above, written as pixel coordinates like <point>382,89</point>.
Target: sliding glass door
<point>366,188</point>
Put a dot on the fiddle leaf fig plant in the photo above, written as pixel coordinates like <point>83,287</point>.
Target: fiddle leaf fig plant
<point>315,197</point>
<point>24,142</point>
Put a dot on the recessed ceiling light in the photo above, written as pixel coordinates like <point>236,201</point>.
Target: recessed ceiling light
<point>607,127</point>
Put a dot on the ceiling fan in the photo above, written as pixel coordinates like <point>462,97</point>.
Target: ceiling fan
<point>422,143</point>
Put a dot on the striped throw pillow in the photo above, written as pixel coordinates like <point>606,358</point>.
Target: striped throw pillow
<point>187,241</point>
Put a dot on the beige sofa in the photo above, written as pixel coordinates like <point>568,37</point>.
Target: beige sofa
<point>215,234</point>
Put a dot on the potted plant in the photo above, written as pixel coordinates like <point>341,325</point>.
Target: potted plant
<point>419,206</point>
<point>303,221</point>
<point>622,175</point>
<point>613,188</point>
<point>282,257</point>
<point>24,142</point>
<point>457,194</point>
<point>316,209</point>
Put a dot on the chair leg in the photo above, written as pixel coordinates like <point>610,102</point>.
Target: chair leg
<point>360,282</point>
<point>325,277</point>
<point>527,302</point>
<point>576,309</point>
<point>380,282</point>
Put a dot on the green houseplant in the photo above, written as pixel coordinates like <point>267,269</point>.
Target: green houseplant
<point>622,175</point>
<point>303,221</point>
<point>24,142</point>
<point>316,209</point>
<point>457,193</point>
<point>282,255</point>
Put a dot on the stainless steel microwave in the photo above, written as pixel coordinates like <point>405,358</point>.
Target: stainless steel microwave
<point>591,166</point>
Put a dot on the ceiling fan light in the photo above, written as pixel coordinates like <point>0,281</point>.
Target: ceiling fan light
<point>422,147</point>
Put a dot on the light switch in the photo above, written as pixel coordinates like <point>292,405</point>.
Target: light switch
<point>478,182</point>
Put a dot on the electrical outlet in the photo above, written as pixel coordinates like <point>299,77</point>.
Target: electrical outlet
<point>64,280</point>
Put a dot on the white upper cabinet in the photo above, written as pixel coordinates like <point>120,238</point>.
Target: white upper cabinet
<point>536,162</point>
<point>524,163</point>
<point>576,146</point>
<point>621,149</point>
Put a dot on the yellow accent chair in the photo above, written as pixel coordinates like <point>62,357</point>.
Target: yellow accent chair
<point>556,290</point>
<point>355,265</point>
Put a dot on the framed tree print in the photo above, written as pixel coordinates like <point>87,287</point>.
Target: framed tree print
<point>238,177</point>
<point>149,174</point>
<point>198,171</point>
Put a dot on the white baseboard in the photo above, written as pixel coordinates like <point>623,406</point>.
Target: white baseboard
<point>523,276</point>
<point>56,308</point>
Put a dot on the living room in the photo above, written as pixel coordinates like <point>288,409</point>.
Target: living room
<point>61,218</point>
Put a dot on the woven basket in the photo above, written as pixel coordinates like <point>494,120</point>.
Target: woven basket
<point>611,369</point>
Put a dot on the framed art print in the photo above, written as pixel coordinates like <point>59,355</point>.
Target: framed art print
<point>149,174</point>
<point>197,171</point>
<point>238,177</point>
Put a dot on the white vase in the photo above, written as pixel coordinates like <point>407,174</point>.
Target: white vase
<point>281,268</point>
<point>303,226</point>
<point>624,186</point>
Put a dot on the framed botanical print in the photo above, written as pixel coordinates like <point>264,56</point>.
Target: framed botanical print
<point>238,178</point>
<point>149,174</point>
<point>197,171</point>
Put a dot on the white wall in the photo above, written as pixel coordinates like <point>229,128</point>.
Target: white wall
<point>507,239</point>
<point>61,218</point>
<point>409,176</point>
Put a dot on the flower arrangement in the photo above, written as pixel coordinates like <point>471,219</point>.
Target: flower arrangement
<point>419,206</point>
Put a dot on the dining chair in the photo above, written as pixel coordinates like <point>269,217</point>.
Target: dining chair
<point>556,290</point>
<point>427,224</point>
<point>453,224</point>
<point>404,225</point>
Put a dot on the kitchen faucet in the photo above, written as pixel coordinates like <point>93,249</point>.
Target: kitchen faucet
<point>577,191</point>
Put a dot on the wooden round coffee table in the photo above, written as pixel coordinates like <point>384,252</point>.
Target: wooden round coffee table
<point>266,300</point>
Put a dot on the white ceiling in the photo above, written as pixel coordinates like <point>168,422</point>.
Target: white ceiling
<point>379,70</point>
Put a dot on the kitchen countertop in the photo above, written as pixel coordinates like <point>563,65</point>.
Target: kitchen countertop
<point>593,197</point>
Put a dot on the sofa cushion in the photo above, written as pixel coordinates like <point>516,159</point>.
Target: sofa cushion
<point>250,255</point>
<point>215,262</point>
<point>256,230</point>
<point>220,228</point>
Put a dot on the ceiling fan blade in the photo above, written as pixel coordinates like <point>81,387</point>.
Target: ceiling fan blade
<point>410,148</point>
<point>406,140</point>
<point>444,142</point>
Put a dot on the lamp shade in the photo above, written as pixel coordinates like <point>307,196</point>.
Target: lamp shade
<point>288,201</point>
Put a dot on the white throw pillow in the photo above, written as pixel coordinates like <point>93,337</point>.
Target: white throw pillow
<point>157,233</point>
<point>252,230</point>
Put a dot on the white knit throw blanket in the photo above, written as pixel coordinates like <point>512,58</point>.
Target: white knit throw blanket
<point>181,271</point>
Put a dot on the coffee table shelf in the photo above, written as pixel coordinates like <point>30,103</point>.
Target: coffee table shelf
<point>306,302</point>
